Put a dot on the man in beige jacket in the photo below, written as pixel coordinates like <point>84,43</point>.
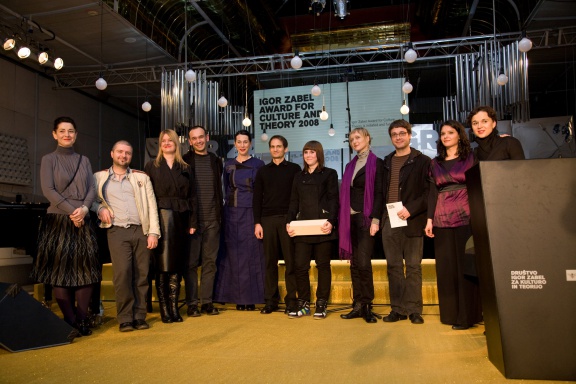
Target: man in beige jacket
<point>126,205</point>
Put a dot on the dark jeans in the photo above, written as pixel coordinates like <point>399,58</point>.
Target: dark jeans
<point>361,262</point>
<point>321,252</point>
<point>405,289</point>
<point>277,242</point>
<point>203,249</point>
<point>131,260</point>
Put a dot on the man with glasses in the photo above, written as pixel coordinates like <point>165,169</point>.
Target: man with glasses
<point>406,188</point>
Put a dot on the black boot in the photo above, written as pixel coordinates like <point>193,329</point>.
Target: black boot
<point>354,313</point>
<point>173,298</point>
<point>367,313</point>
<point>162,291</point>
<point>83,326</point>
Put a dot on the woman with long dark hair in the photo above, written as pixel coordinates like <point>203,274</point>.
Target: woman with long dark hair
<point>359,220</point>
<point>449,224</point>
<point>67,249</point>
<point>314,196</point>
<point>175,190</point>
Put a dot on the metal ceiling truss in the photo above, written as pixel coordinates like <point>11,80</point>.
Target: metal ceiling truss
<point>313,61</point>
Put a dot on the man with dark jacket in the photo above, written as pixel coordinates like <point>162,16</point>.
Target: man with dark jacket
<point>204,244</point>
<point>406,182</point>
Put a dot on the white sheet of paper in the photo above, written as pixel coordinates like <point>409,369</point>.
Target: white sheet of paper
<point>393,209</point>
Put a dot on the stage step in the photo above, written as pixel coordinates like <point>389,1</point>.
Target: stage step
<point>341,283</point>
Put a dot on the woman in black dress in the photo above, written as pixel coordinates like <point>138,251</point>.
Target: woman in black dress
<point>175,190</point>
<point>67,250</point>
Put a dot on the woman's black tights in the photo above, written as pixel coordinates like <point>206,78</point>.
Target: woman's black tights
<point>73,302</point>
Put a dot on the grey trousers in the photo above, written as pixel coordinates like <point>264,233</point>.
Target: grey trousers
<point>131,260</point>
<point>405,289</point>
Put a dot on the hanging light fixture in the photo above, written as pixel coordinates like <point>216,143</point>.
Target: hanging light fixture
<point>101,84</point>
<point>323,114</point>
<point>525,44</point>
<point>246,122</point>
<point>331,131</point>
<point>410,55</point>
<point>315,91</point>
<point>404,108</point>
<point>502,79</point>
<point>190,75</point>
<point>264,136</point>
<point>222,101</point>
<point>146,106</point>
<point>296,61</point>
<point>407,87</point>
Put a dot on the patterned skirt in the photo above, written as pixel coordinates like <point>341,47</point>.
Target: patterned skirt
<point>67,255</point>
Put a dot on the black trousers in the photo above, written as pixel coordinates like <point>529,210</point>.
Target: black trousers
<point>458,294</point>
<point>361,262</point>
<point>320,252</point>
<point>277,242</point>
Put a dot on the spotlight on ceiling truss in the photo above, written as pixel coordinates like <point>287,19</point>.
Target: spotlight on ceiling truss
<point>317,6</point>
<point>341,8</point>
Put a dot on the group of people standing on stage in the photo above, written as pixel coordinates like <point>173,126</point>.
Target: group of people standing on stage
<point>234,221</point>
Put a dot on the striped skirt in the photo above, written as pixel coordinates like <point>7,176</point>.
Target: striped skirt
<point>67,255</point>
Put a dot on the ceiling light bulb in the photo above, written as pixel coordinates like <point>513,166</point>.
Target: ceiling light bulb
<point>222,102</point>
<point>323,115</point>
<point>43,57</point>
<point>331,131</point>
<point>315,91</point>
<point>502,79</point>
<point>9,44</point>
<point>296,62</point>
<point>525,44</point>
<point>246,122</point>
<point>407,87</point>
<point>410,56</point>
<point>264,136</point>
<point>101,84</point>
<point>404,108</point>
<point>146,106</point>
<point>23,52</point>
<point>190,75</point>
<point>58,63</point>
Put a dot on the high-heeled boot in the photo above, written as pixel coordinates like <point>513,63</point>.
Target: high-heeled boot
<point>355,312</point>
<point>162,291</point>
<point>83,326</point>
<point>173,298</point>
<point>367,313</point>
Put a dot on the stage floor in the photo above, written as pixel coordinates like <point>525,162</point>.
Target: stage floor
<point>247,347</point>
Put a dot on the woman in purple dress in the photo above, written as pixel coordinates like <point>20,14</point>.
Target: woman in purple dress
<point>240,278</point>
<point>449,225</point>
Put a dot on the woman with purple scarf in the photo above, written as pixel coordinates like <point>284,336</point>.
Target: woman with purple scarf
<point>359,220</point>
<point>449,225</point>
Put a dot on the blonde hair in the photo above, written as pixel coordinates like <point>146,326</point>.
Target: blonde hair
<point>173,136</point>
<point>364,132</point>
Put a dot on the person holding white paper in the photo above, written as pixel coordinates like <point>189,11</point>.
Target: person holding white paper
<point>359,221</point>
<point>405,177</point>
<point>449,224</point>
<point>314,196</point>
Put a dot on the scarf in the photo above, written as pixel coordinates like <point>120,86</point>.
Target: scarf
<point>345,238</point>
<point>485,145</point>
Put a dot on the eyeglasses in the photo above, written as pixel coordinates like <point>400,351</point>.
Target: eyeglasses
<point>399,134</point>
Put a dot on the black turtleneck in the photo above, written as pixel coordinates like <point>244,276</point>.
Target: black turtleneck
<point>494,147</point>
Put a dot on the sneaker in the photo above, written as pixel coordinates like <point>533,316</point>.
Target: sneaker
<point>320,312</point>
<point>302,310</point>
